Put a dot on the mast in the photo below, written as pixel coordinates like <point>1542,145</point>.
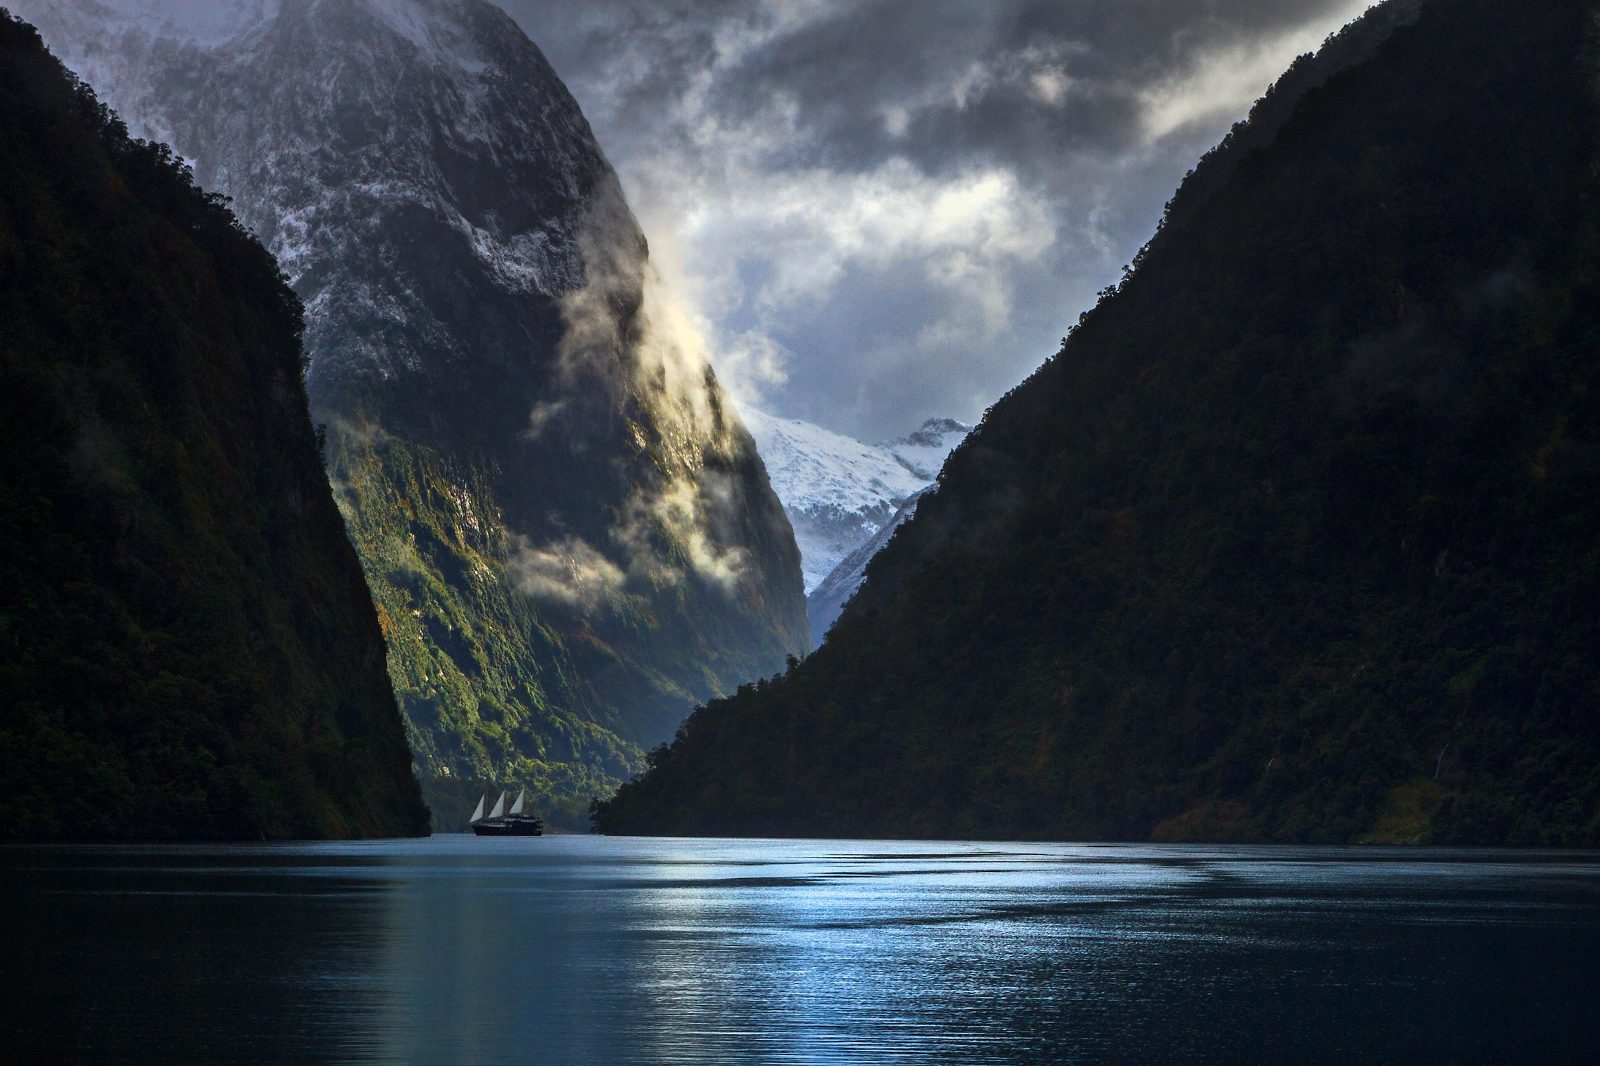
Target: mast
<point>499,807</point>
<point>516,808</point>
<point>477,815</point>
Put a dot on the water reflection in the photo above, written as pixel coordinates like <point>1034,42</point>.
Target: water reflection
<point>590,950</point>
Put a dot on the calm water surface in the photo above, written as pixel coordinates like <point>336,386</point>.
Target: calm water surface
<point>598,950</point>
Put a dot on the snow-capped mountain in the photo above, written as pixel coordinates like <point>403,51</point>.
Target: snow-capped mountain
<point>924,451</point>
<point>329,121</point>
<point>568,532</point>
<point>826,602</point>
<point>838,492</point>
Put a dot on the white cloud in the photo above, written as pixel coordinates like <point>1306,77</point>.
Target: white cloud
<point>684,518</point>
<point>1225,81</point>
<point>686,514</point>
<point>751,244</point>
<point>801,233</point>
<point>814,226</point>
<point>1037,72</point>
<point>750,364</point>
<point>569,572</point>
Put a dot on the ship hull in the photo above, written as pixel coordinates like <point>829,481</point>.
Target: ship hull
<point>521,828</point>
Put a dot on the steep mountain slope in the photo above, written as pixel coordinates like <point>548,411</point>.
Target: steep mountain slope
<point>1293,540</point>
<point>569,534</point>
<point>190,650</point>
<point>839,492</point>
<point>922,453</point>
<point>836,490</point>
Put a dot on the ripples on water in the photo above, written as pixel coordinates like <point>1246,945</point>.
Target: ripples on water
<point>597,950</point>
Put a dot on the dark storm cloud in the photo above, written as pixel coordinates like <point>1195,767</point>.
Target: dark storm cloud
<point>903,204</point>
<point>997,55</point>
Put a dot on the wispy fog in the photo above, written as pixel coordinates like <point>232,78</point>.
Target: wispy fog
<point>632,345</point>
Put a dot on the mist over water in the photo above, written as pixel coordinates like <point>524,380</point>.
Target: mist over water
<point>599,950</point>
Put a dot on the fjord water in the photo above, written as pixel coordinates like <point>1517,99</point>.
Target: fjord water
<point>600,950</point>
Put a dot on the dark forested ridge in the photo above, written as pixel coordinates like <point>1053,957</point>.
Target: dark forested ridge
<point>1294,540</point>
<point>187,646</point>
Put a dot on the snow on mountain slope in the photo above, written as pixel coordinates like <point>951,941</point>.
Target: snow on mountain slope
<point>838,492</point>
<point>924,451</point>
<point>826,602</point>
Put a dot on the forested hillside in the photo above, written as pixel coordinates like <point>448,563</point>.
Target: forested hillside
<point>187,646</point>
<point>1295,537</point>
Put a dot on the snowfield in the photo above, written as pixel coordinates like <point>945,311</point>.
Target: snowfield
<point>840,493</point>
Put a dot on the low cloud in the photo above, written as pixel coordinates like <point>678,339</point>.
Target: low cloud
<point>678,525</point>
<point>543,415</point>
<point>568,572</point>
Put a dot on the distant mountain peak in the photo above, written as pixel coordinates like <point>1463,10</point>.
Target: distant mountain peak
<point>398,112</point>
<point>842,495</point>
<point>932,432</point>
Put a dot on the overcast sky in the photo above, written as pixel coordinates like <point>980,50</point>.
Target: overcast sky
<point>887,210</point>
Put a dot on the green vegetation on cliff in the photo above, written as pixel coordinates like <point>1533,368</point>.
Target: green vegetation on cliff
<point>507,681</point>
<point>1294,539</point>
<point>491,696</point>
<point>187,645</point>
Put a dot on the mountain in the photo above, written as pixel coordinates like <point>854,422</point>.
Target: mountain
<point>827,601</point>
<point>840,493</point>
<point>1294,538</point>
<point>190,650</point>
<point>568,533</point>
<point>924,450</point>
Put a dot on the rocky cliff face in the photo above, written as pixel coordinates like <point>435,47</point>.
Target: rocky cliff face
<point>568,532</point>
<point>189,648</point>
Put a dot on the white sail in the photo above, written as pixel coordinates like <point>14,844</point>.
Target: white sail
<point>516,808</point>
<point>499,807</point>
<point>477,815</point>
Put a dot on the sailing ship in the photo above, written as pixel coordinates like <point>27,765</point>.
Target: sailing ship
<point>503,823</point>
